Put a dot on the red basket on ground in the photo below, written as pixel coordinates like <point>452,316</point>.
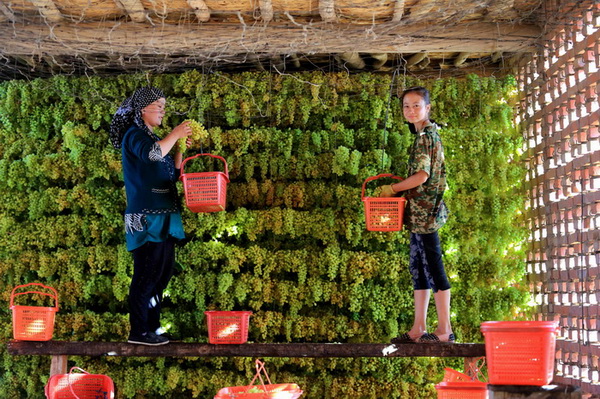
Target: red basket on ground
<point>462,390</point>
<point>33,323</point>
<point>451,375</point>
<point>383,214</point>
<point>205,191</point>
<point>262,391</point>
<point>520,352</point>
<point>227,327</point>
<point>80,386</point>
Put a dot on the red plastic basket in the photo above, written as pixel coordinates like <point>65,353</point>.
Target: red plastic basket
<point>520,352</point>
<point>451,375</point>
<point>227,327</point>
<point>383,214</point>
<point>462,390</point>
<point>262,391</point>
<point>33,323</point>
<point>205,191</point>
<point>79,386</point>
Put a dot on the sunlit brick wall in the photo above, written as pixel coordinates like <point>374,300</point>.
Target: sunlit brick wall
<point>560,116</point>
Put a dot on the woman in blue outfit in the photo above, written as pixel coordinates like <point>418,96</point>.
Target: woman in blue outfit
<point>426,212</point>
<point>152,218</point>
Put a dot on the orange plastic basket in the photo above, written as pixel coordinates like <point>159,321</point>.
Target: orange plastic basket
<point>227,327</point>
<point>520,352</point>
<point>383,214</point>
<point>451,375</point>
<point>462,390</point>
<point>79,386</point>
<point>33,323</point>
<point>205,191</point>
<point>262,391</point>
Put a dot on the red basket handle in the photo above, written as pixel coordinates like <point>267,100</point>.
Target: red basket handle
<point>379,176</point>
<point>208,155</point>
<point>260,366</point>
<point>55,296</point>
<point>69,381</point>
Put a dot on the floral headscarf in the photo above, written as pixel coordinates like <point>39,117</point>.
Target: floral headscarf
<point>130,113</point>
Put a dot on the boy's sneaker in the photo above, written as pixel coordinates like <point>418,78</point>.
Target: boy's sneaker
<point>148,338</point>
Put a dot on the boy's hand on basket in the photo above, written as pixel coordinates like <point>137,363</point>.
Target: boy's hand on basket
<point>387,191</point>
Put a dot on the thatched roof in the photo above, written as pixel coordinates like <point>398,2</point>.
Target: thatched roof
<point>43,37</point>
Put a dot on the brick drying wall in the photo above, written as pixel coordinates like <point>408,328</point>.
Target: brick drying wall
<point>559,115</point>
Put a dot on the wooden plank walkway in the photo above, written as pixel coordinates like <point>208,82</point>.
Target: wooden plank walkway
<point>181,349</point>
<point>60,350</point>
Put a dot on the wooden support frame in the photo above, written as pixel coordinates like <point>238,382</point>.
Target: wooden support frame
<point>60,350</point>
<point>276,38</point>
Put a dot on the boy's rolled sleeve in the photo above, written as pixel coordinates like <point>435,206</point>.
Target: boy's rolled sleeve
<point>422,157</point>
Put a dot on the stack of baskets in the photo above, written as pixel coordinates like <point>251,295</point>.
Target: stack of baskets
<point>457,385</point>
<point>520,352</point>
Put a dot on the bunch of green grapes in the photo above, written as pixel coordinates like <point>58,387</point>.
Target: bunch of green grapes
<point>199,133</point>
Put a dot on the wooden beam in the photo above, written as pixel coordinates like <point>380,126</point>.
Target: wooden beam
<point>461,58</point>
<point>352,59</point>
<point>424,63</point>
<point>48,10</point>
<point>53,64</point>
<point>398,11</point>
<point>380,60</point>
<point>180,349</point>
<point>327,10</point>
<point>134,9</point>
<point>29,60</point>
<point>276,38</point>
<point>58,364</point>
<point>415,59</point>
<point>200,9</point>
<point>7,14</point>
<point>295,60</point>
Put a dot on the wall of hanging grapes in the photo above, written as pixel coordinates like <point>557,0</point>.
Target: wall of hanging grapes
<point>292,245</point>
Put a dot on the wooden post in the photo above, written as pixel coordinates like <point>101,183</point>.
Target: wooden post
<point>58,365</point>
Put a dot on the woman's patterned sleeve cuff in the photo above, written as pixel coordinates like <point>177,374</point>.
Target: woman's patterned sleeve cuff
<point>155,154</point>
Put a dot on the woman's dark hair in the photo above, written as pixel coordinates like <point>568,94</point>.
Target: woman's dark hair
<point>420,90</point>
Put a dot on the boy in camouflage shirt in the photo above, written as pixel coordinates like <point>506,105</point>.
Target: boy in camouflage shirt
<point>424,215</point>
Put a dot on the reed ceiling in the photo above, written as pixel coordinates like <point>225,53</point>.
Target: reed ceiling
<point>426,37</point>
